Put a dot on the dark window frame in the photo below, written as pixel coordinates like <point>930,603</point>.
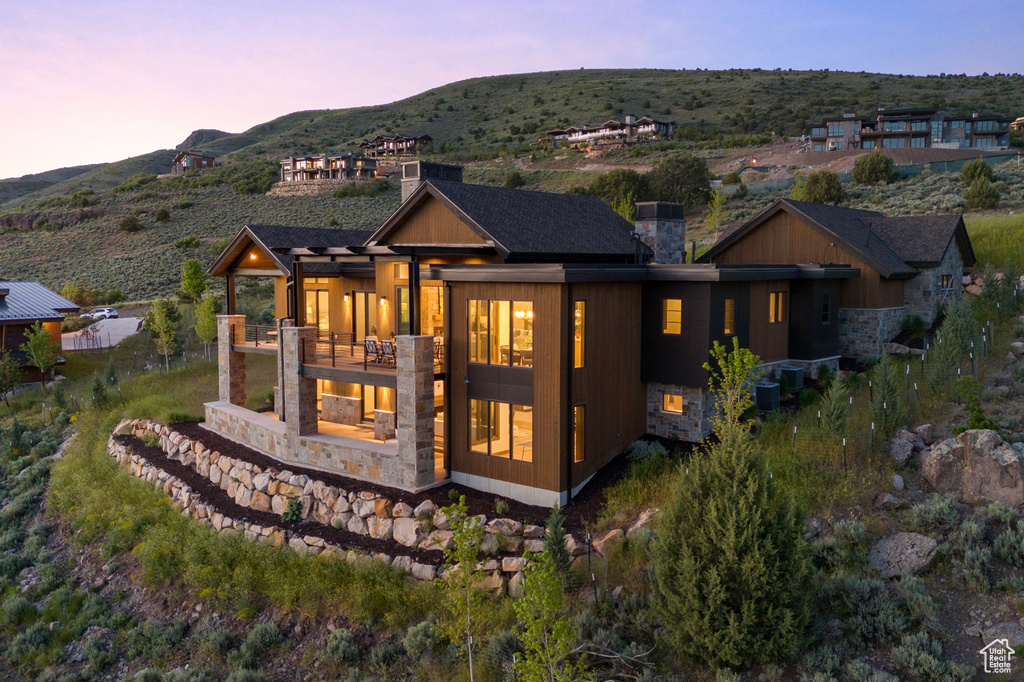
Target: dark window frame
<point>778,307</point>
<point>490,328</point>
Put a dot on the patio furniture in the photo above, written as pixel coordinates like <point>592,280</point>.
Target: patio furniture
<point>387,351</point>
<point>372,350</point>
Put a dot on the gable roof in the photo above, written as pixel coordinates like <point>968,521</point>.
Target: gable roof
<point>30,301</point>
<point>527,225</point>
<point>894,246</point>
<point>276,240</point>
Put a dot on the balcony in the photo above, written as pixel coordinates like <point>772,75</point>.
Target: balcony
<point>254,338</point>
<point>338,357</point>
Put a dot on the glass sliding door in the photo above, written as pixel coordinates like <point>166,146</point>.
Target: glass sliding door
<point>403,312</point>
<point>365,315</point>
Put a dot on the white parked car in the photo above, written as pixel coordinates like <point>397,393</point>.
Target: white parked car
<point>101,313</point>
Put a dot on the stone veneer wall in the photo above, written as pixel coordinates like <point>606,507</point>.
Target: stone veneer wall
<point>923,293</point>
<point>693,425</point>
<point>308,188</point>
<point>863,331</point>
<point>666,237</point>
<point>361,512</point>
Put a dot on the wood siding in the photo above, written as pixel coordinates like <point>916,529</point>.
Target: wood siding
<point>433,223</point>
<point>549,469</point>
<point>785,239</point>
<point>280,297</point>
<point>385,287</point>
<point>676,358</point>
<point>768,341</point>
<point>609,382</point>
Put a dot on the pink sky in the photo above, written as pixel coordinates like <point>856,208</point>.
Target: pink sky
<point>87,82</point>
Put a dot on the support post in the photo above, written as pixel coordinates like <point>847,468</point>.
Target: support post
<point>415,403</point>
<point>230,363</point>
<point>298,392</point>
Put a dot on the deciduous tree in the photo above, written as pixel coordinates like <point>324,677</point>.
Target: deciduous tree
<point>465,621</point>
<point>164,330</point>
<point>717,214</point>
<point>684,179</point>
<point>874,168</point>
<point>194,280</point>
<point>206,320</point>
<point>820,187</point>
<point>42,351</point>
<point>10,375</point>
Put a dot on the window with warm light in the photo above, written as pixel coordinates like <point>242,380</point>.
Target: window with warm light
<point>730,316</point>
<point>777,307</point>
<point>947,281</point>
<point>579,326</point>
<point>578,432</point>
<point>501,430</point>
<point>672,403</point>
<point>501,332</point>
<point>672,316</point>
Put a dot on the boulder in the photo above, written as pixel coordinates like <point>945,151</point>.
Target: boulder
<point>531,531</point>
<point>261,482</point>
<point>973,289</point>
<point>977,467</point>
<point>408,532</point>
<point>575,548</point>
<point>260,501</point>
<point>512,564</point>
<point>363,508</point>
<point>901,450</point>
<point>437,540</point>
<point>1017,348</point>
<point>441,520</point>
<point>887,501</point>
<point>895,348</point>
<point>1010,358</point>
<point>897,482</point>
<point>533,545</point>
<point>401,511</point>
<point>402,563</point>
<point>604,543</point>
<point>489,544</point>
<point>243,496</point>
<point>901,553</point>
<point>425,507</point>
<point>1012,632</point>
<point>505,526</point>
<point>380,529</point>
<point>493,583</point>
<point>382,508</point>
<point>357,524</point>
<point>515,584</point>
<point>423,571</point>
<point>925,431</point>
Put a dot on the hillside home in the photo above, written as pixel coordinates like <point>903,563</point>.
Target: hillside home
<point>22,305</point>
<point>328,166</point>
<point>394,145</point>
<point>908,265</point>
<point>630,128</point>
<point>909,129</point>
<point>508,340</point>
<point>191,160</point>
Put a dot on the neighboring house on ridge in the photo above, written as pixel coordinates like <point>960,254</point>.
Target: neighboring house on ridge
<point>22,305</point>
<point>191,160</point>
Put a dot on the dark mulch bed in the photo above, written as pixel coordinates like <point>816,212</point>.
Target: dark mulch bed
<point>212,494</point>
<point>585,507</point>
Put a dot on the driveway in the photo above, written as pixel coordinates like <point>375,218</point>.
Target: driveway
<point>101,334</point>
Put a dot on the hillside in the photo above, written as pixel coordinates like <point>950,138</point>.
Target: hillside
<point>12,188</point>
<point>478,117</point>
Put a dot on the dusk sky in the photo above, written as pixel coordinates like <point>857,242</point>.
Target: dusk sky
<point>87,82</point>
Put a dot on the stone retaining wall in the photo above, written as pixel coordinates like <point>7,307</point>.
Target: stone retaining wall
<point>362,512</point>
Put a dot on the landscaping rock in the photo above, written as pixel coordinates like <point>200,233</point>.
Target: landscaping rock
<point>261,482</point>
<point>515,585</point>
<point>260,502</point>
<point>901,450</point>
<point>887,501</point>
<point>382,508</point>
<point>895,348</point>
<point>1017,348</point>
<point>976,466</point>
<point>531,531</point>
<point>507,527</point>
<point>1012,632</point>
<point>363,508</point>
<point>512,564</point>
<point>425,507</point>
<point>402,563</point>
<point>423,571</point>
<point>408,532</point>
<point>401,511</point>
<point>973,289</point>
<point>441,520</point>
<point>437,540</point>
<point>897,482</point>
<point>575,548</point>
<point>533,546</point>
<point>1010,358</point>
<point>380,529</point>
<point>489,544</point>
<point>493,583</point>
<point>925,431</point>
<point>357,524</point>
<point>901,553</point>
<point>604,543</point>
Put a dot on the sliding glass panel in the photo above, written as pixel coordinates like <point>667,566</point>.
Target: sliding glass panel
<point>522,333</point>
<point>500,437</point>
<point>403,312</point>
<point>432,311</point>
<point>323,318</point>
<point>310,306</point>
<point>478,331</point>
<point>478,426</point>
<point>359,310</point>
<point>522,433</point>
<point>369,401</point>
<point>499,332</point>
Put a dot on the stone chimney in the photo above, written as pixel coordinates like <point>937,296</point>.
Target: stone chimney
<point>630,119</point>
<point>415,172</point>
<point>662,227</point>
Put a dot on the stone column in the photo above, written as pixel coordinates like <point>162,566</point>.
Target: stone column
<point>230,363</point>
<point>278,396</point>
<point>415,422</point>
<point>299,393</point>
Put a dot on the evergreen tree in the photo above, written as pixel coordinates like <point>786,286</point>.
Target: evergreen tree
<point>99,392</point>
<point>874,168</point>
<point>820,187</point>
<point>835,409</point>
<point>555,543</point>
<point>731,578</point>
<point>887,409</point>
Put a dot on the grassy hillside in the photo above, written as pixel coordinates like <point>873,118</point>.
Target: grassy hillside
<point>13,188</point>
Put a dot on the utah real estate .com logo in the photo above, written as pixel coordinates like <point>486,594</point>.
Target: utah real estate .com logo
<point>997,656</point>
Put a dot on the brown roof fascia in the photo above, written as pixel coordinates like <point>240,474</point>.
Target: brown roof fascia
<point>222,266</point>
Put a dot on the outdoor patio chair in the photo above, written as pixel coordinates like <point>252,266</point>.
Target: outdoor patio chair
<point>372,351</point>
<point>388,351</point>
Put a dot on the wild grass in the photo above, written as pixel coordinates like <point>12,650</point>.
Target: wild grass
<point>998,239</point>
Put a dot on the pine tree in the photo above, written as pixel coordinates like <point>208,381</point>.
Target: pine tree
<point>887,409</point>
<point>835,409</point>
<point>731,574</point>
<point>554,542</point>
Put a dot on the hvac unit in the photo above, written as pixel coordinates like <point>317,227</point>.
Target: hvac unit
<point>794,377</point>
<point>766,396</point>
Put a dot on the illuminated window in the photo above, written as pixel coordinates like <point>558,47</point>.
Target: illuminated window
<point>777,307</point>
<point>501,332</point>
<point>501,430</point>
<point>947,281</point>
<point>579,332</point>
<point>730,316</point>
<point>672,403</point>
<point>672,316</point>
<point>578,439</point>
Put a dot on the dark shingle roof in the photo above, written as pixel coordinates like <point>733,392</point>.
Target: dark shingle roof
<point>28,301</point>
<point>285,237</point>
<point>891,245</point>
<point>528,224</point>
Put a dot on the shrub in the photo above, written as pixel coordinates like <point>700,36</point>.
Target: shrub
<point>385,655</point>
<point>500,506</point>
<point>420,639</point>
<point>246,676</point>
<point>759,604</point>
<point>732,178</point>
<point>162,215</point>
<point>261,639</point>
<point>919,657</point>
<point>219,641</point>
<point>514,180</point>
<point>293,514</point>
<point>982,194</point>
<point>130,223</point>
<point>153,640</point>
<point>870,612</point>
<point>846,547</point>
<point>976,170</point>
<point>185,205</point>
<point>362,189</point>
<point>643,449</point>
<point>190,242</point>
<point>341,646</point>
<point>98,653</point>
<point>454,495</point>
<point>1009,545</point>
<point>1003,512</point>
<point>914,326</point>
<point>874,168</point>
<point>18,610</point>
<point>938,512</point>
<point>969,554</point>
<point>807,396</point>
<point>820,187</point>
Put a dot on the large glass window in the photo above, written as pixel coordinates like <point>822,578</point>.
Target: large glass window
<point>817,132</point>
<point>672,316</point>
<point>836,130</point>
<point>819,147</point>
<point>579,326</point>
<point>894,142</point>
<point>730,316</point>
<point>578,431</point>
<point>403,311</point>
<point>919,125</point>
<point>777,307</point>
<point>867,144</point>
<point>317,309</point>
<point>894,126</point>
<point>501,430</point>
<point>917,142</point>
<point>501,332</point>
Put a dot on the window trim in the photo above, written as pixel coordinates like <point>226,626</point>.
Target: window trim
<point>489,410</point>
<point>490,328</point>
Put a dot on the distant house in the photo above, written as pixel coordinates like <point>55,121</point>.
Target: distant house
<point>328,166</point>
<point>190,160</point>
<point>22,304</point>
<point>911,128</point>
<point>394,145</point>
<point>630,128</point>
<point>908,266</point>
<point>1018,124</point>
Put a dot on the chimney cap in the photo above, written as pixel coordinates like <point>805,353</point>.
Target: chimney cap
<point>659,210</point>
<point>431,170</point>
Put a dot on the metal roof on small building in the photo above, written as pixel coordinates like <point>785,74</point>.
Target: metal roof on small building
<point>30,301</point>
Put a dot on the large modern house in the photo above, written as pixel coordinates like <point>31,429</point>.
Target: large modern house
<point>629,128</point>
<point>911,128</point>
<point>328,166</point>
<point>394,145</point>
<point>516,341</point>
<point>22,305</point>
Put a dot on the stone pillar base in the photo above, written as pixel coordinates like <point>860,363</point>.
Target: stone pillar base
<point>383,424</point>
